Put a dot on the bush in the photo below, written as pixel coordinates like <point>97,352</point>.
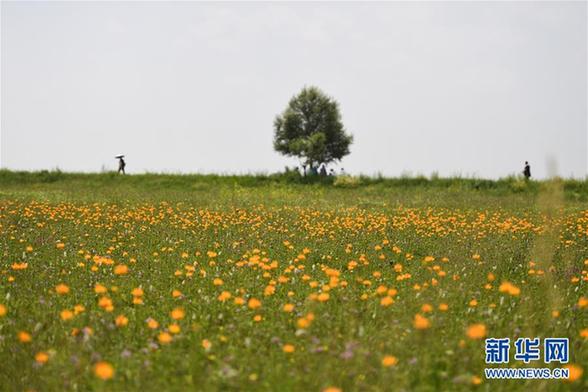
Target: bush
<point>347,182</point>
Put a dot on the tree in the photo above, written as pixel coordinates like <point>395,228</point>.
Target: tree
<point>310,128</point>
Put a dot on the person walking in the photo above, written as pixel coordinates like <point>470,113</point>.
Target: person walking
<point>121,164</point>
<point>527,170</point>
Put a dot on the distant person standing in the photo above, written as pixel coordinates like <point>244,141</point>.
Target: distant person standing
<point>527,170</point>
<point>121,164</point>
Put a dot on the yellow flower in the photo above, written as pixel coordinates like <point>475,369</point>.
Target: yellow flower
<point>421,322</point>
<point>60,245</point>
<point>217,282</point>
<point>288,348</point>
<point>288,308</point>
<point>104,370</point>
<point>24,337</point>
<point>61,289</point>
<point>174,328</point>
<point>476,331</point>
<point>41,357</point>
<point>177,314</point>
<point>389,360</point>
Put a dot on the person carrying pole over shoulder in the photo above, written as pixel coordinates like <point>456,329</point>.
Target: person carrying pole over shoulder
<point>121,163</point>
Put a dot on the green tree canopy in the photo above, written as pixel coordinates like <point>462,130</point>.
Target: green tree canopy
<point>310,128</point>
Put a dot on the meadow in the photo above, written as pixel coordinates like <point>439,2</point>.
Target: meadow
<point>168,282</point>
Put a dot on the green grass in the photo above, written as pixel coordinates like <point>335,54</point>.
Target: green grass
<point>368,232</point>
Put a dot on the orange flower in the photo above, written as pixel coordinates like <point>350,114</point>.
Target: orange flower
<point>121,320</point>
<point>3,310</point>
<point>443,307</point>
<point>164,338</point>
<point>288,348</point>
<point>389,360</point>
<point>303,323</point>
<point>106,304</point>
<point>583,302</point>
<point>152,324</point>
<point>99,289</point>
<point>66,314</point>
<point>507,287</point>
<point>61,289</point>
<point>176,293</point>
<point>584,333</point>
<point>137,292</point>
<point>254,303</point>
<point>41,357</point>
<point>217,282</point>
<point>104,370</point>
<point>20,266</point>
<point>288,308</point>
<point>323,297</point>
<point>421,322</point>
<point>576,372</point>
<point>426,308</point>
<point>24,337</point>
<point>177,314</point>
<point>121,269</point>
<point>174,328</point>
<point>476,331</point>
<point>225,295</point>
<point>206,344</point>
<point>386,301</point>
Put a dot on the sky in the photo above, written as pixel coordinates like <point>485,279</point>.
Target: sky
<point>453,88</point>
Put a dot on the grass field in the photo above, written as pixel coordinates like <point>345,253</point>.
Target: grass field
<point>162,282</point>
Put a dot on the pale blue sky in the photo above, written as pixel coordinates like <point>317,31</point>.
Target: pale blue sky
<point>460,87</point>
